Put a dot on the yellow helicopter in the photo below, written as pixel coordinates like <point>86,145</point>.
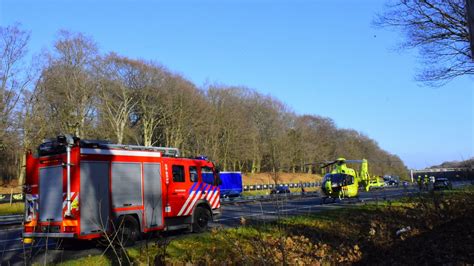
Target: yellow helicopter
<point>343,182</point>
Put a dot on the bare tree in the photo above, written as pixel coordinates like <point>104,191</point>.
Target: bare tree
<point>69,83</point>
<point>227,136</point>
<point>148,83</point>
<point>33,127</point>
<point>13,75</point>
<point>317,140</point>
<point>184,106</point>
<point>116,93</point>
<point>439,29</point>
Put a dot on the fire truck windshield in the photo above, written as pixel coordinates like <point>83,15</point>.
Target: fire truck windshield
<point>209,176</point>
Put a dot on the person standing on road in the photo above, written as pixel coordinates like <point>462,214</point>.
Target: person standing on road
<point>426,182</point>
<point>328,186</point>
<point>405,187</point>
<point>419,183</point>
<point>302,188</point>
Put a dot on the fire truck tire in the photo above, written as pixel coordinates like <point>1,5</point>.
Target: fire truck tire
<point>129,231</point>
<point>201,219</point>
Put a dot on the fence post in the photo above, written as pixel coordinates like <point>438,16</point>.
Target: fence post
<point>11,197</point>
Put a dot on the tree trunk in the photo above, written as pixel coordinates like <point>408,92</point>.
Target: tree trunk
<point>254,166</point>
<point>22,172</point>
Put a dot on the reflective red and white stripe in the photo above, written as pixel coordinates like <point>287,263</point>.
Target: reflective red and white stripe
<point>215,201</point>
<point>73,197</point>
<point>212,195</point>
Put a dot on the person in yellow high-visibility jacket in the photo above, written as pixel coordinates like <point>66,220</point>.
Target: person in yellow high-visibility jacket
<point>426,182</point>
<point>420,183</point>
<point>329,186</point>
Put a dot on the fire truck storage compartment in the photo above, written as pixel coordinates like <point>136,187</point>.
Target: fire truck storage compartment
<point>94,200</point>
<point>51,194</point>
<point>153,202</point>
<point>126,185</point>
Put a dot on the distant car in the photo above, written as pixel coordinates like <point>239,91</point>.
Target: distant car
<point>391,180</point>
<point>442,183</point>
<point>392,183</point>
<point>280,190</point>
<point>377,183</point>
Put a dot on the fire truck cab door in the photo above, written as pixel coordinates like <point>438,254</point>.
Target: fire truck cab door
<point>178,188</point>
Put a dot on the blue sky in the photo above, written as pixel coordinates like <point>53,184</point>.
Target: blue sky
<point>318,57</point>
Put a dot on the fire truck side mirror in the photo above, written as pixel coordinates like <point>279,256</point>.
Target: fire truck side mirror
<point>217,179</point>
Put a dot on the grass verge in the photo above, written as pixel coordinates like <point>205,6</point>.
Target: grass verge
<point>424,229</point>
<point>15,208</point>
<point>88,260</point>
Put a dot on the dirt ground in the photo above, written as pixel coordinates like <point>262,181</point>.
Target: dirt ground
<point>266,178</point>
<point>8,187</point>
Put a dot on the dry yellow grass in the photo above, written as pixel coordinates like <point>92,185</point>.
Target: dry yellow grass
<point>266,178</point>
<point>7,187</point>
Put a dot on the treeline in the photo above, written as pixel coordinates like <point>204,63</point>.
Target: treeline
<point>73,88</point>
<point>469,163</point>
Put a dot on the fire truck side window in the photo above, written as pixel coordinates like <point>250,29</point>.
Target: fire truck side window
<point>207,175</point>
<point>193,173</point>
<point>178,173</point>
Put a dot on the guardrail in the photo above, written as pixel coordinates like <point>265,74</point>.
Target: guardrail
<point>243,199</point>
<point>11,219</point>
<point>15,197</point>
<point>271,186</point>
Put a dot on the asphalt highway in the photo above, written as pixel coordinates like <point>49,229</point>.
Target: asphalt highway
<point>282,206</point>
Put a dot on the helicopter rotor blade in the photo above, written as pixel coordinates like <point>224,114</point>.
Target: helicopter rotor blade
<point>329,164</point>
<point>353,161</point>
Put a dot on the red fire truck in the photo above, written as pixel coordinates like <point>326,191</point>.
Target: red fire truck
<point>84,189</point>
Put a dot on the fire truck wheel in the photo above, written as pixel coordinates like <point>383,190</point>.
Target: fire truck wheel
<point>129,232</point>
<point>201,219</point>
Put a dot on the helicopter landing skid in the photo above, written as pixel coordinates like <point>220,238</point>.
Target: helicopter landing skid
<point>353,200</point>
<point>323,201</point>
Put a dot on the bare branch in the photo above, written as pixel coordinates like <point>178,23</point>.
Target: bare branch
<point>438,28</point>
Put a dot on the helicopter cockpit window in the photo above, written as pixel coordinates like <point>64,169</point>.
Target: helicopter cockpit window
<point>326,177</point>
<point>349,179</point>
<point>341,179</point>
